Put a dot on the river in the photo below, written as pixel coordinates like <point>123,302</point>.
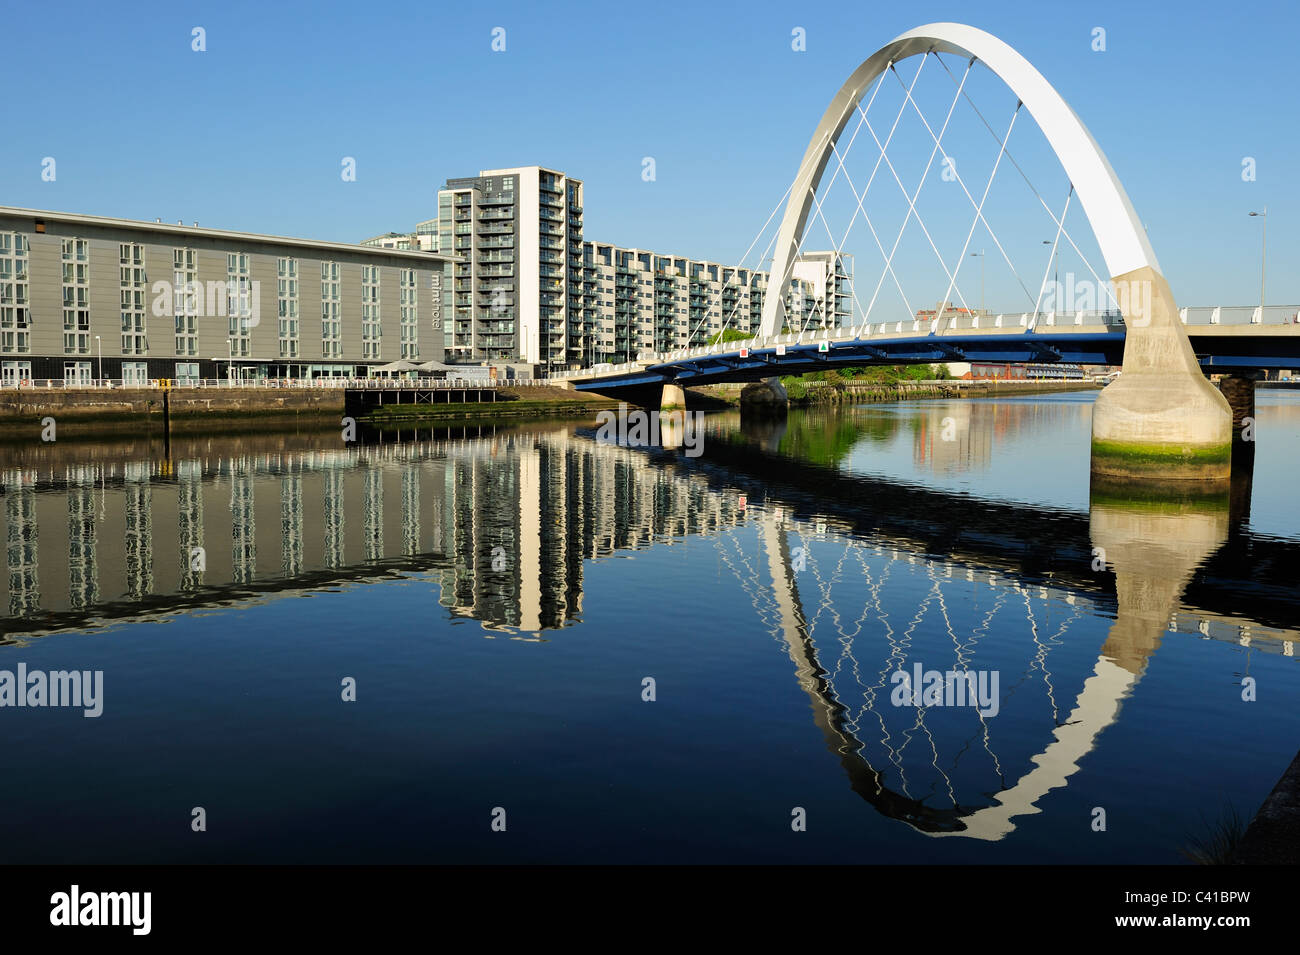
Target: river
<point>517,643</point>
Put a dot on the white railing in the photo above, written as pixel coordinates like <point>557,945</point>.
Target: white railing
<point>365,384</point>
<point>1243,317</point>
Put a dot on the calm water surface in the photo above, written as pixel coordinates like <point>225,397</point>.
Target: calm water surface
<point>500,596</point>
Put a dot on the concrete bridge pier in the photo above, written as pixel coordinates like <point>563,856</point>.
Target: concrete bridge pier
<point>1239,391</point>
<point>1161,421</point>
<point>764,399</point>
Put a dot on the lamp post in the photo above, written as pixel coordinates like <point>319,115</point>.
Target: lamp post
<point>1263,255</point>
<point>99,373</point>
<point>230,362</point>
<point>1056,276</point>
<point>980,253</point>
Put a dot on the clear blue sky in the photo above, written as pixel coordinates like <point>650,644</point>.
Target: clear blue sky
<point>250,134</point>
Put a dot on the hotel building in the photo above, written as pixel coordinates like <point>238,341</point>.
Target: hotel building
<point>90,297</point>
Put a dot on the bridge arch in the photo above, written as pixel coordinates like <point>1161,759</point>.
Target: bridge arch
<point>1115,224</point>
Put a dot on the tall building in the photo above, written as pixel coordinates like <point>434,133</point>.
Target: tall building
<point>517,295</point>
<point>90,297</point>
<point>528,288</point>
<point>828,278</point>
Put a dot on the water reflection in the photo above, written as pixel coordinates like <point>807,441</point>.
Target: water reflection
<point>853,577</point>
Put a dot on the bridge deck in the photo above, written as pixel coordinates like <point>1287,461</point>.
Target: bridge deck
<point>1082,339</point>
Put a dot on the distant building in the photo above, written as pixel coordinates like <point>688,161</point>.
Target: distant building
<point>1020,371</point>
<point>828,276</point>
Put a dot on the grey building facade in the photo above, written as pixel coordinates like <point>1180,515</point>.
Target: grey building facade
<point>90,297</point>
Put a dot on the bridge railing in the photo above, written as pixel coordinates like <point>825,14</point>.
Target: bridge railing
<point>366,384</point>
<point>1245,315</point>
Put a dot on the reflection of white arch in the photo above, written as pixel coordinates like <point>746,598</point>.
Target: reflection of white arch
<point>1120,235</point>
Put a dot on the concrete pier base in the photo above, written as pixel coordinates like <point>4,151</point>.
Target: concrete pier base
<point>673,398</point>
<point>766,399</point>
<point>1161,420</point>
<point>1239,391</point>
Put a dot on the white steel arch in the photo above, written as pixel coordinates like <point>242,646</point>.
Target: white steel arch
<point>1115,224</point>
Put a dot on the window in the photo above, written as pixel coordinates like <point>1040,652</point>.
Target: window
<point>286,293</point>
<point>15,317</point>
<point>76,297</point>
<point>13,373</point>
<point>187,373</point>
<point>135,373</point>
<point>185,301</point>
<point>371,332</point>
<point>239,304</point>
<point>331,339</point>
<point>410,314</point>
<point>132,291</point>
<point>76,373</point>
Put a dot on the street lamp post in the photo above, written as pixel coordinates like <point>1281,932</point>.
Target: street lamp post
<point>1056,276</point>
<point>980,253</point>
<point>99,373</point>
<point>1263,255</point>
<point>230,362</point>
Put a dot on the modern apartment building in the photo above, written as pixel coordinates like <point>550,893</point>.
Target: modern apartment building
<point>527,288</point>
<point>517,295</point>
<point>828,278</point>
<point>638,301</point>
<point>88,297</point>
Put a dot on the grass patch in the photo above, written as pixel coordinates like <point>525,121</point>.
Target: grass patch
<point>1217,844</point>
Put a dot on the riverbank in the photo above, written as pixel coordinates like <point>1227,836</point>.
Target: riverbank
<point>849,391</point>
<point>131,412</point>
<point>28,414</point>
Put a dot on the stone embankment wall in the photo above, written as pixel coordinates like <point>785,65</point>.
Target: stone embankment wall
<point>136,410</point>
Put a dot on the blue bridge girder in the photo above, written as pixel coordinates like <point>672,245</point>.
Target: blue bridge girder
<point>1255,349</point>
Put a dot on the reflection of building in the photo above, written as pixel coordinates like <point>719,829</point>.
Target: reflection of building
<point>955,436</point>
<point>502,525</point>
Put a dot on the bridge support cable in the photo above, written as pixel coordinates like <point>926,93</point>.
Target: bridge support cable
<point>888,139</point>
<point>861,199</point>
<point>772,215</point>
<point>1047,269</point>
<point>1060,223</point>
<point>911,198</point>
<point>841,168</point>
<point>979,215</point>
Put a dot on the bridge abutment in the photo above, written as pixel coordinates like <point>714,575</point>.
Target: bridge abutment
<point>1161,420</point>
<point>1239,391</point>
<point>764,399</point>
